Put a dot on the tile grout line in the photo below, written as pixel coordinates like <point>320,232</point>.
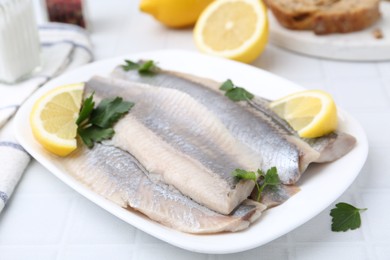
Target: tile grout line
<point>324,74</point>
<point>67,226</point>
<point>136,245</point>
<point>291,247</point>
<point>383,82</point>
<point>115,43</point>
<point>353,190</point>
<point>365,227</point>
<point>212,257</point>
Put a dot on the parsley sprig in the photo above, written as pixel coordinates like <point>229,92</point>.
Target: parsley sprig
<point>270,178</point>
<point>148,67</point>
<point>345,217</point>
<point>96,124</point>
<point>234,92</point>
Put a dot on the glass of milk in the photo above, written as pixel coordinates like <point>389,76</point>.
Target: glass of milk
<point>19,41</point>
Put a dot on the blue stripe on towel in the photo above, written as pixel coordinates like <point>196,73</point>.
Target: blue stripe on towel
<point>9,106</point>
<point>13,145</point>
<point>62,26</point>
<point>43,44</point>
<point>4,197</point>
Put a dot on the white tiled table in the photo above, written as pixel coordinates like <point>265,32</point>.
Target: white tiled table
<point>47,220</point>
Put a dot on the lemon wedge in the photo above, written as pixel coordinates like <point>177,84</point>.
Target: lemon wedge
<point>234,29</point>
<point>312,113</point>
<point>174,13</point>
<point>53,118</point>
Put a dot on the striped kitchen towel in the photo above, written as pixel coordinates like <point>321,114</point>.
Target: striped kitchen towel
<point>63,47</point>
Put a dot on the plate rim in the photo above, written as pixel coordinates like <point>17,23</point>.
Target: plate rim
<point>189,242</point>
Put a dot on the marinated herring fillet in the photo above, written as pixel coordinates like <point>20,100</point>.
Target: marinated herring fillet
<point>180,142</point>
<point>270,198</point>
<point>119,177</point>
<point>290,161</point>
<point>272,142</point>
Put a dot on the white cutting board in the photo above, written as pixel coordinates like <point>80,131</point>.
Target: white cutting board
<point>357,46</point>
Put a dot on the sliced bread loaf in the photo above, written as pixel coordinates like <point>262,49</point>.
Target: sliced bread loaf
<point>325,16</point>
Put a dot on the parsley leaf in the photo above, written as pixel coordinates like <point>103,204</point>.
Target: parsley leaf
<point>93,134</point>
<point>345,217</point>
<point>227,85</point>
<point>109,111</point>
<point>86,109</point>
<point>130,65</point>
<point>234,92</point>
<point>242,174</point>
<point>95,124</point>
<point>148,67</point>
<point>271,178</point>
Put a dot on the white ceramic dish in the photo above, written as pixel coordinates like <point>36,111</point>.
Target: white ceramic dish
<point>356,46</point>
<point>318,186</point>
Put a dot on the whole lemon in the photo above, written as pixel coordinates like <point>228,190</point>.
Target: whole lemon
<point>174,13</point>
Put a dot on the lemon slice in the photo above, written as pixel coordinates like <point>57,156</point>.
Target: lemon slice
<point>312,113</point>
<point>53,118</point>
<point>234,29</point>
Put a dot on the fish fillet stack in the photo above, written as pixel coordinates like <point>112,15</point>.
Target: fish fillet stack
<point>172,155</point>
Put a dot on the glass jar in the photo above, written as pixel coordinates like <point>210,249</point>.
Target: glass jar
<point>19,40</point>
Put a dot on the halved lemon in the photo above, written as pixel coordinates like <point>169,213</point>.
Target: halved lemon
<point>53,118</point>
<point>174,13</point>
<point>234,29</point>
<point>312,113</point>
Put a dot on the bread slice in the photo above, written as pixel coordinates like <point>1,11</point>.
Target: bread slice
<point>325,16</point>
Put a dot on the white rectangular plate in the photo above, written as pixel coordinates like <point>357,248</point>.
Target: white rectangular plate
<point>319,187</point>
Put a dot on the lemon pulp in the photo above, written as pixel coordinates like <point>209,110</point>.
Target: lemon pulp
<point>53,118</point>
<point>234,29</point>
<point>312,113</point>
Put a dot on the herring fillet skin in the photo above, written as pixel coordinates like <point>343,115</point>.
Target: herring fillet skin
<point>180,142</point>
<point>332,146</point>
<point>119,177</point>
<point>246,123</point>
<point>270,197</point>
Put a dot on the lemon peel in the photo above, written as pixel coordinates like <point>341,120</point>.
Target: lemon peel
<point>53,118</point>
<point>312,113</point>
<point>174,13</point>
<point>234,29</point>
